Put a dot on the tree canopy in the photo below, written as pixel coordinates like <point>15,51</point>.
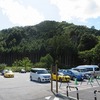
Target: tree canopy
<point>64,41</point>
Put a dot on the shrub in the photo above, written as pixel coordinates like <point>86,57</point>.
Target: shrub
<point>25,63</point>
<point>40,65</point>
<point>2,67</point>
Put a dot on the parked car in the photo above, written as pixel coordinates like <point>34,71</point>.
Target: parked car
<point>23,71</point>
<point>40,75</point>
<point>94,70</point>
<point>61,77</point>
<point>74,74</point>
<point>4,71</point>
<point>9,74</point>
<point>84,72</point>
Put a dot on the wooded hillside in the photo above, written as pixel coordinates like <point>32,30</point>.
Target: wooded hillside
<point>68,43</point>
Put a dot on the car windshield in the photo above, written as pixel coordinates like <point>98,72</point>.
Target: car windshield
<point>97,69</point>
<point>65,73</point>
<point>89,69</point>
<point>42,72</point>
<point>75,72</point>
<point>82,70</point>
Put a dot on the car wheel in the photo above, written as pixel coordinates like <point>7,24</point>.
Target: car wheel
<point>39,79</point>
<point>74,78</point>
<point>60,79</point>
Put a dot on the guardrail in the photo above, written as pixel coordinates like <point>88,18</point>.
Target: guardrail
<point>95,96</point>
<point>67,82</point>
<point>72,87</point>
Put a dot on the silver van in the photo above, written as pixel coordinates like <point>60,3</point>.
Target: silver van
<point>93,69</point>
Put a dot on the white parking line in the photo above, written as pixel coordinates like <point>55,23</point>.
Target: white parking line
<point>47,98</point>
<point>56,98</point>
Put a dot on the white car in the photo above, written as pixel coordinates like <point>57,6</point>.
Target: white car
<point>92,69</point>
<point>4,71</point>
<point>40,75</point>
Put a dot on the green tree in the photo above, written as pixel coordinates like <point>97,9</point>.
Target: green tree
<point>2,67</point>
<point>87,42</point>
<point>24,63</point>
<point>96,56</point>
<point>48,60</point>
<point>40,65</point>
<point>86,56</point>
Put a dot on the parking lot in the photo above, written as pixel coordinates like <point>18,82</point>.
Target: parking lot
<point>21,88</point>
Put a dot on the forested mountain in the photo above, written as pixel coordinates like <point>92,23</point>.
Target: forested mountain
<point>68,43</point>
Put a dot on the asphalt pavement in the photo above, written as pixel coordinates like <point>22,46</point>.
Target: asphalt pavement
<point>85,90</point>
<point>21,88</point>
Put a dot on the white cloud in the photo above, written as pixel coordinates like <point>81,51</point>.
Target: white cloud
<point>77,9</point>
<point>20,14</point>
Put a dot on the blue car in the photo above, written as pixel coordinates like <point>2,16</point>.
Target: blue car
<point>86,74</point>
<point>74,74</point>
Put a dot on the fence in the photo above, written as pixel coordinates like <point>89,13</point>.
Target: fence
<point>77,94</point>
<point>95,96</point>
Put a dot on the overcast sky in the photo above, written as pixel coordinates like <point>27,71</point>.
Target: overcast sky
<point>31,12</point>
